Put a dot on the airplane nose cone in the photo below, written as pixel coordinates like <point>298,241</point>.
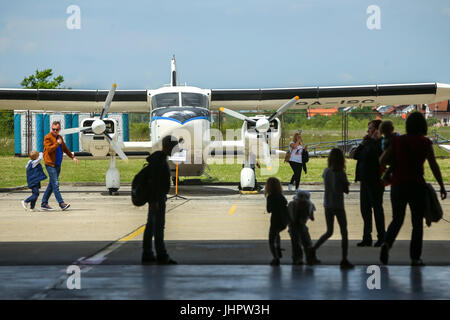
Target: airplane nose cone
<point>262,125</point>
<point>98,126</point>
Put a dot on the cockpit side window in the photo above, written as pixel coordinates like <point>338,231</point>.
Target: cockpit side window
<point>164,100</point>
<point>194,100</point>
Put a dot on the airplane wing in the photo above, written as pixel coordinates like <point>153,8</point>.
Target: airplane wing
<point>132,149</point>
<point>137,146</point>
<point>323,97</point>
<point>445,147</point>
<point>73,100</point>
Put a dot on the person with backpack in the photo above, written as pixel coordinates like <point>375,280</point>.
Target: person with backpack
<point>407,154</point>
<point>155,183</point>
<point>301,209</point>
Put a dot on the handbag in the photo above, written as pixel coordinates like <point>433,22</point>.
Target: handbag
<point>433,209</point>
<point>287,156</point>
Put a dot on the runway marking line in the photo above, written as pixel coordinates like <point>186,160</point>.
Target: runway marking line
<point>232,209</point>
<point>133,234</point>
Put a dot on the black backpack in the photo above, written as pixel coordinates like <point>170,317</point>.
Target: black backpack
<point>141,187</point>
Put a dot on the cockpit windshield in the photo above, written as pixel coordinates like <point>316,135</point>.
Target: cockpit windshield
<point>172,99</point>
<point>164,100</point>
<point>189,99</point>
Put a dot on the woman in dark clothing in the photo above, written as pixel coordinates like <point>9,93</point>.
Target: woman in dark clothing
<point>408,153</point>
<point>277,206</point>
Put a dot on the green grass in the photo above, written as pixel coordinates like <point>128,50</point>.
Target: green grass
<point>6,146</point>
<point>13,171</point>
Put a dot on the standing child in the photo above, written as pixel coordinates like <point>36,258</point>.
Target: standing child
<point>336,184</point>
<point>387,130</point>
<point>300,210</point>
<point>277,205</point>
<point>35,174</point>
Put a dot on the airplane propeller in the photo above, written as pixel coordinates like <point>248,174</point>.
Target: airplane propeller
<point>262,125</point>
<point>99,126</point>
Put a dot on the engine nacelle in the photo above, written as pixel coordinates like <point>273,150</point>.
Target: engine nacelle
<point>273,133</point>
<point>97,144</point>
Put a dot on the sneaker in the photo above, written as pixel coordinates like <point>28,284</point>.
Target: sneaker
<point>417,263</point>
<point>290,187</point>
<point>24,204</point>
<point>46,207</point>
<point>275,262</point>
<point>345,264</point>
<point>384,254</point>
<point>64,206</point>
<point>365,243</point>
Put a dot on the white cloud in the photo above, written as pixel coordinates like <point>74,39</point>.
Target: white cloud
<point>24,35</point>
<point>346,77</point>
<point>446,11</point>
<point>29,46</point>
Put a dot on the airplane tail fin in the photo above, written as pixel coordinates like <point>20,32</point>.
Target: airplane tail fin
<point>173,74</point>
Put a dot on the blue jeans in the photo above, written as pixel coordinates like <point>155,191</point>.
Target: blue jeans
<point>53,185</point>
<point>155,228</point>
<point>34,196</point>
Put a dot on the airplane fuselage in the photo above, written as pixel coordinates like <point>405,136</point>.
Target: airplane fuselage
<point>183,112</point>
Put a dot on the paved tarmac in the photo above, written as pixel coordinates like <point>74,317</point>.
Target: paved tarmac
<point>219,238</point>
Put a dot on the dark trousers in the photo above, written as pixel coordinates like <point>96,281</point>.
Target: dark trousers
<point>342,221</point>
<point>414,195</point>
<point>274,241</point>
<point>299,237</point>
<point>34,196</point>
<point>371,198</point>
<point>155,228</point>
<point>297,168</point>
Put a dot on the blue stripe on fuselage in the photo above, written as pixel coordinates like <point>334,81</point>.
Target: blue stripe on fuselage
<point>172,119</point>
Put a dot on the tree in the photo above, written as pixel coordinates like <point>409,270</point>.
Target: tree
<point>41,80</point>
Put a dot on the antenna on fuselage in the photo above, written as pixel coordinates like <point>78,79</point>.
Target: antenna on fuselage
<point>173,74</point>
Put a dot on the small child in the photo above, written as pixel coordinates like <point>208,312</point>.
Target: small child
<point>277,205</point>
<point>35,174</point>
<point>300,210</point>
<point>387,130</point>
<point>336,184</point>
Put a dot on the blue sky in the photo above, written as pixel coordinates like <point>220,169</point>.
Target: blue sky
<point>226,44</point>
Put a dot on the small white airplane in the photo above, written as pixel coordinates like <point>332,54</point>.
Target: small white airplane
<point>184,112</point>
